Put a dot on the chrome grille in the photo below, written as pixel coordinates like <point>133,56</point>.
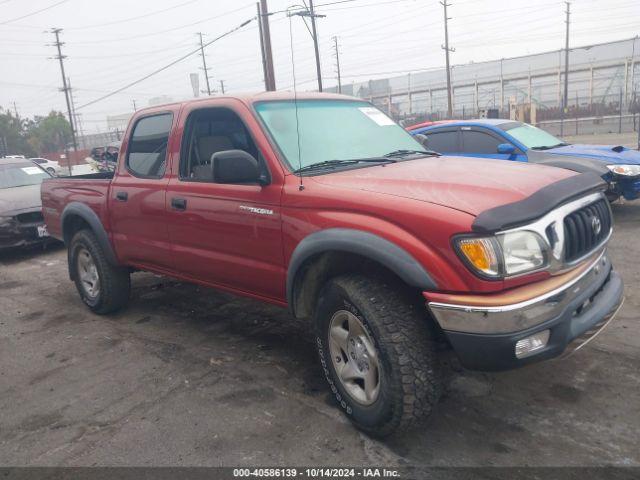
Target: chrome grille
<point>585,229</point>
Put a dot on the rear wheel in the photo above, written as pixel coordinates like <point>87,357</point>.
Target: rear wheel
<point>377,354</point>
<point>103,287</point>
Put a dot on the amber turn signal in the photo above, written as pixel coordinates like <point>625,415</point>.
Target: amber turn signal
<point>481,254</point>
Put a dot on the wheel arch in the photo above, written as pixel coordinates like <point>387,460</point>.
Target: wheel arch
<point>333,251</point>
<point>77,216</point>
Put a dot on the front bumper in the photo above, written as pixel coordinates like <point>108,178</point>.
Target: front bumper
<point>627,187</point>
<point>15,234</point>
<point>484,335</point>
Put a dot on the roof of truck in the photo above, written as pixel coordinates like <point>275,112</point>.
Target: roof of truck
<point>259,97</point>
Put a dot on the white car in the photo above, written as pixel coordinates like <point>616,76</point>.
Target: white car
<point>50,166</point>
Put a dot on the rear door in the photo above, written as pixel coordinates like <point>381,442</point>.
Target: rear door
<point>227,235</point>
<point>137,194</point>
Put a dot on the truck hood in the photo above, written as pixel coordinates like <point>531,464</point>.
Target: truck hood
<point>608,154</point>
<point>468,185</point>
<point>19,198</point>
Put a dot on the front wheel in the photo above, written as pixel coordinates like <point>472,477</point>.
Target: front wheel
<point>377,354</point>
<point>103,287</point>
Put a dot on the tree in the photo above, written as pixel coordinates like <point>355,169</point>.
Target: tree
<point>31,137</point>
<point>12,130</point>
<point>50,133</point>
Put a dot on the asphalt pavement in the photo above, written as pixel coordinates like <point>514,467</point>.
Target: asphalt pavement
<point>191,376</point>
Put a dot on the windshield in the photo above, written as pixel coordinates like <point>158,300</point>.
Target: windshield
<point>332,130</point>
<point>532,137</point>
<point>21,174</point>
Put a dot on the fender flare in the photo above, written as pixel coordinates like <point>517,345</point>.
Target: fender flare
<point>83,211</point>
<point>361,243</point>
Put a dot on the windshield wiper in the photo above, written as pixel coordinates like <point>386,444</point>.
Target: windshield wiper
<point>404,153</point>
<point>549,147</point>
<point>340,163</point>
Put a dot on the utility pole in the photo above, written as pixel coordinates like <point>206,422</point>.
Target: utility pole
<point>310,12</point>
<point>135,107</point>
<point>337,52</point>
<point>15,110</point>
<point>204,64</point>
<point>315,44</point>
<point>566,58</point>
<point>447,50</point>
<point>65,89</point>
<point>76,118</point>
<point>565,97</point>
<point>222,86</point>
<point>262,52</point>
<point>265,37</point>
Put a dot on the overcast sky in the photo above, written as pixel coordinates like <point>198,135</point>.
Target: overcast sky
<point>112,43</point>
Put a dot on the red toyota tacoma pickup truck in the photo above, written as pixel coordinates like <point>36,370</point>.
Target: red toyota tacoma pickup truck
<point>322,204</point>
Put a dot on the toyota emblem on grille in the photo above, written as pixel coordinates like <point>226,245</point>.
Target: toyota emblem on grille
<point>596,225</point>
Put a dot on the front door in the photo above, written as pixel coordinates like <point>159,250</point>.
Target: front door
<point>227,235</point>
<point>482,143</point>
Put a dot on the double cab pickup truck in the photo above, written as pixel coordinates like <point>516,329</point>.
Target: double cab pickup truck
<point>322,204</point>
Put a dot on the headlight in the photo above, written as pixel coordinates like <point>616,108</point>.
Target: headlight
<point>626,170</point>
<point>522,252</point>
<point>505,254</point>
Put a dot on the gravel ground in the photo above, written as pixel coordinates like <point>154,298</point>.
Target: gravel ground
<point>190,376</point>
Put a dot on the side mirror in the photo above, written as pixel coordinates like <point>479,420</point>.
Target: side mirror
<point>506,149</point>
<point>236,166</point>
<point>422,139</point>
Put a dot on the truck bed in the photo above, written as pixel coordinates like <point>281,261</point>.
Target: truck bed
<point>91,190</point>
<point>96,176</point>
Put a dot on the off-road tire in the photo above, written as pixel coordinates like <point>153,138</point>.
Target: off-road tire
<point>410,382</point>
<point>115,282</point>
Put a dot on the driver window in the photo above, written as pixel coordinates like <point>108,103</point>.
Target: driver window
<point>477,142</point>
<point>209,131</point>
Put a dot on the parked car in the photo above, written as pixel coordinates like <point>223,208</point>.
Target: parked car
<point>104,159</point>
<point>324,205</point>
<point>21,220</point>
<point>517,141</point>
<point>50,166</point>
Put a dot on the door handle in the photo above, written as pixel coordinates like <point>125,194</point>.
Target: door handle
<point>122,196</point>
<point>179,203</point>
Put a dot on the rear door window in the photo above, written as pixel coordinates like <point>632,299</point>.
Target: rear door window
<point>147,152</point>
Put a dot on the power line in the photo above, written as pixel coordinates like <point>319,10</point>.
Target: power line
<point>167,30</point>
<point>155,72</point>
<point>130,19</point>
<point>34,12</point>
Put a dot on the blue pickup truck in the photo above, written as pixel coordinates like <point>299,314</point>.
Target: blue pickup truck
<point>517,141</point>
